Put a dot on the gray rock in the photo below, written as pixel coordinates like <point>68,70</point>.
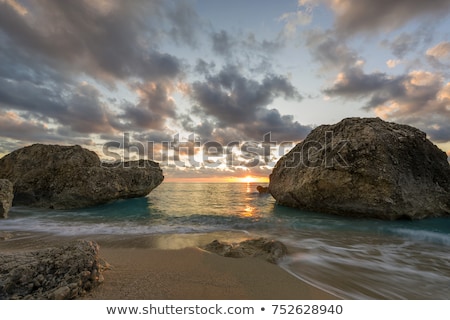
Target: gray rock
<point>64,177</point>
<point>365,168</point>
<point>53,273</point>
<point>262,190</point>
<point>269,250</point>
<point>61,293</point>
<point>5,235</point>
<point>6,197</point>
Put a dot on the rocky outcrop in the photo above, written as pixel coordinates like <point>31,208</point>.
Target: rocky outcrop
<point>262,190</point>
<point>269,250</point>
<point>6,197</point>
<point>365,168</point>
<point>64,177</point>
<point>65,272</point>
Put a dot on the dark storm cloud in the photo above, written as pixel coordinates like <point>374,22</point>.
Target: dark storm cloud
<point>235,101</point>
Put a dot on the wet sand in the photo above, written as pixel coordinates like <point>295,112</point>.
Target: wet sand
<point>192,273</point>
<point>141,271</point>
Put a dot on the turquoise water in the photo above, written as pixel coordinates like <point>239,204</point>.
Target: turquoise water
<point>353,258</point>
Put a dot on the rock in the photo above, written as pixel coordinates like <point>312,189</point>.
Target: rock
<point>365,168</point>
<point>269,250</point>
<point>5,235</point>
<point>65,177</point>
<point>60,293</point>
<point>6,197</point>
<point>53,273</point>
<point>262,189</point>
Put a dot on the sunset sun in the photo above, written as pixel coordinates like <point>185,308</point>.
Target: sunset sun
<point>248,179</point>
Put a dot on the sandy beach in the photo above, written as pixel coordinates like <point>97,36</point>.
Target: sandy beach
<point>140,271</point>
<point>192,273</point>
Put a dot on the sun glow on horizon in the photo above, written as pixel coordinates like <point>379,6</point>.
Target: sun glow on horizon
<point>243,179</point>
<point>252,179</point>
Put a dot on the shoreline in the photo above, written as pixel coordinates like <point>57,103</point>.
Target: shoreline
<point>168,267</point>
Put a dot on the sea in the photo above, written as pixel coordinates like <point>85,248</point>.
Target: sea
<point>351,258</point>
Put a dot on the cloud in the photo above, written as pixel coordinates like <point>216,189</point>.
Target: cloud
<point>223,43</point>
<point>441,50</point>
<point>46,46</point>
<point>204,68</point>
<point>245,49</point>
<point>39,100</point>
<point>407,43</point>
<point>419,98</point>
<point>154,108</point>
<point>356,16</point>
<point>439,55</point>
<point>15,127</point>
<point>231,100</point>
<point>22,130</point>
<point>391,63</point>
<point>78,107</point>
<point>104,41</point>
<point>402,44</point>
<point>183,22</point>
<point>329,51</point>
<point>354,83</point>
<point>292,20</point>
<point>85,112</point>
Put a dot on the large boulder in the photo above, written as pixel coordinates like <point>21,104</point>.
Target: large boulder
<point>365,168</point>
<point>64,272</point>
<point>6,197</point>
<point>65,177</point>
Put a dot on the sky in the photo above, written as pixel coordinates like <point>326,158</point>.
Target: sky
<point>217,89</point>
